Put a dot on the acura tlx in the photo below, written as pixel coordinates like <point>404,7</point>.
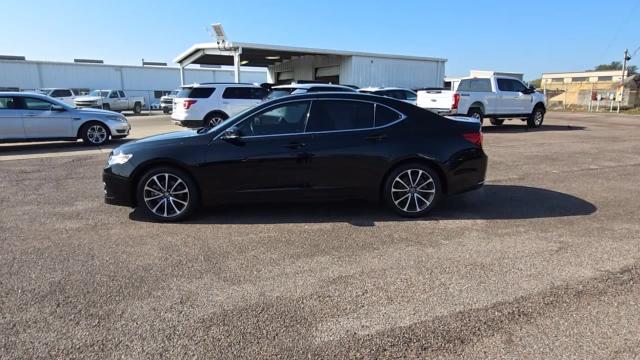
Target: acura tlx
<point>305,147</point>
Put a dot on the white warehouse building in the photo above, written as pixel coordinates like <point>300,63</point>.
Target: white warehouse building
<point>295,64</point>
<point>152,82</point>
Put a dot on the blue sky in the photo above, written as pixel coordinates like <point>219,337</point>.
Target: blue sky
<point>525,36</point>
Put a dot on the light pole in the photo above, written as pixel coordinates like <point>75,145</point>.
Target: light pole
<point>624,70</point>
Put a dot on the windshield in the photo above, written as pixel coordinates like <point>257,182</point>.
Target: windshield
<point>278,93</point>
<point>100,93</point>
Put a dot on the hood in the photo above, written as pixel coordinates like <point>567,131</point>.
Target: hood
<point>88,98</point>
<point>96,111</point>
<point>176,135</point>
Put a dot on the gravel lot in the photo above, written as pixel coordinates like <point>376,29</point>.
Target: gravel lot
<point>543,262</point>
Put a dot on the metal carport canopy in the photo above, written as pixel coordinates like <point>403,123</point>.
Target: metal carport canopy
<point>262,55</point>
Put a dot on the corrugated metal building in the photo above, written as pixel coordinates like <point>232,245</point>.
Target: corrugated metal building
<point>148,81</point>
<point>289,64</point>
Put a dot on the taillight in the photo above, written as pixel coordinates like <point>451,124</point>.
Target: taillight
<point>456,101</point>
<point>474,137</point>
<point>186,104</point>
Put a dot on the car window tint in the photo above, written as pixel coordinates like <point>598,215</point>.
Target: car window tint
<point>36,104</point>
<point>331,115</point>
<point>505,85</point>
<point>517,85</point>
<point>61,93</point>
<point>121,93</point>
<point>286,119</point>
<point>477,85</point>
<point>244,93</point>
<point>196,93</point>
<point>385,116</point>
<point>8,103</point>
<point>411,96</point>
<point>113,95</point>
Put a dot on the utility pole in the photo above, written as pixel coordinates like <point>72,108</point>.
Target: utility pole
<point>624,70</point>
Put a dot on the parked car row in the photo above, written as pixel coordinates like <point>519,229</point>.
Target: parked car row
<point>115,100</point>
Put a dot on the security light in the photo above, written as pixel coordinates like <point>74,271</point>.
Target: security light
<point>219,31</point>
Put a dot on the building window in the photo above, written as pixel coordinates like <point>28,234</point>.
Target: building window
<point>605,78</point>
<point>556,80</point>
<point>580,79</point>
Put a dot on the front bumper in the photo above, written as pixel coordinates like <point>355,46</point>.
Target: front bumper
<point>117,190</point>
<point>119,130</point>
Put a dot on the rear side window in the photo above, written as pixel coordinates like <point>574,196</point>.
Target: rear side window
<point>385,116</point>
<point>8,103</point>
<point>332,115</point>
<point>196,92</point>
<point>478,85</point>
<point>37,104</point>
<point>244,93</point>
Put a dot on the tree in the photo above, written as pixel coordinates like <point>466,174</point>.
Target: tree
<point>616,65</point>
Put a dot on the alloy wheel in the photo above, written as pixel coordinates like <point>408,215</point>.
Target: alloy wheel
<point>413,190</point>
<point>215,121</point>
<point>166,195</point>
<point>537,118</point>
<point>97,134</point>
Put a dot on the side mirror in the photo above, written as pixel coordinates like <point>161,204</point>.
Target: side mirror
<point>58,108</point>
<point>230,134</point>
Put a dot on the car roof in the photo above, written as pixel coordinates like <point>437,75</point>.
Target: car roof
<point>311,85</point>
<point>214,84</point>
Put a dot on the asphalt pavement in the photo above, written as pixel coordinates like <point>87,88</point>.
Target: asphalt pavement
<point>543,262</point>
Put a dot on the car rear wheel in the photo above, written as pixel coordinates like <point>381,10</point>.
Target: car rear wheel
<point>95,133</point>
<point>167,194</point>
<point>536,118</point>
<point>214,119</point>
<point>412,190</point>
<point>137,108</point>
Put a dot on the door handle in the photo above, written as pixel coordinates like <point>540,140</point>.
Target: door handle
<point>377,137</point>
<point>295,145</point>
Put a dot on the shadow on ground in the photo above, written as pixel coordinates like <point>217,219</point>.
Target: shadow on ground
<point>509,128</point>
<point>492,202</point>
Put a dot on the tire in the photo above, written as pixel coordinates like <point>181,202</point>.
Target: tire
<point>497,122</point>
<point>164,203</point>
<point>137,108</point>
<point>165,111</point>
<point>420,197</point>
<point>476,113</point>
<point>536,118</point>
<point>214,119</point>
<point>106,107</point>
<point>94,133</point>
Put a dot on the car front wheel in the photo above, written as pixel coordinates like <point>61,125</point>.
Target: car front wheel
<point>536,118</point>
<point>167,194</point>
<point>412,190</point>
<point>95,133</point>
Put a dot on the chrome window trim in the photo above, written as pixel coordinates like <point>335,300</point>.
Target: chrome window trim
<point>311,100</point>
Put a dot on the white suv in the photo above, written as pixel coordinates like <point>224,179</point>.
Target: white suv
<point>208,104</point>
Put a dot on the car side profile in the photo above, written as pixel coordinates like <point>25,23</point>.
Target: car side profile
<point>209,104</point>
<point>36,117</point>
<point>315,146</point>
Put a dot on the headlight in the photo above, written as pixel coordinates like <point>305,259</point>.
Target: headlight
<point>120,118</point>
<point>118,158</point>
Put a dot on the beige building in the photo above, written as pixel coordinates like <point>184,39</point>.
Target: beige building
<point>590,90</point>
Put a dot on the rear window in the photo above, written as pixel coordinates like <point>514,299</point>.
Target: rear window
<point>196,92</point>
<point>478,85</point>
<point>244,93</point>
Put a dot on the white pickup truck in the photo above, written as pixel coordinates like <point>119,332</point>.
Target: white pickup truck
<point>114,100</point>
<point>496,97</point>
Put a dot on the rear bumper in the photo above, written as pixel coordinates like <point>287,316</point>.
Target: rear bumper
<point>188,123</point>
<point>117,190</point>
<point>468,171</point>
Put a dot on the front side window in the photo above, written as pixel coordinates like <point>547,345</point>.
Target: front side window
<point>505,85</point>
<point>333,115</point>
<point>248,93</point>
<point>285,119</point>
<point>113,95</point>
<point>518,86</point>
<point>37,104</point>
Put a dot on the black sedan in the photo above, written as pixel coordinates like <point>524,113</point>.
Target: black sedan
<point>308,147</point>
